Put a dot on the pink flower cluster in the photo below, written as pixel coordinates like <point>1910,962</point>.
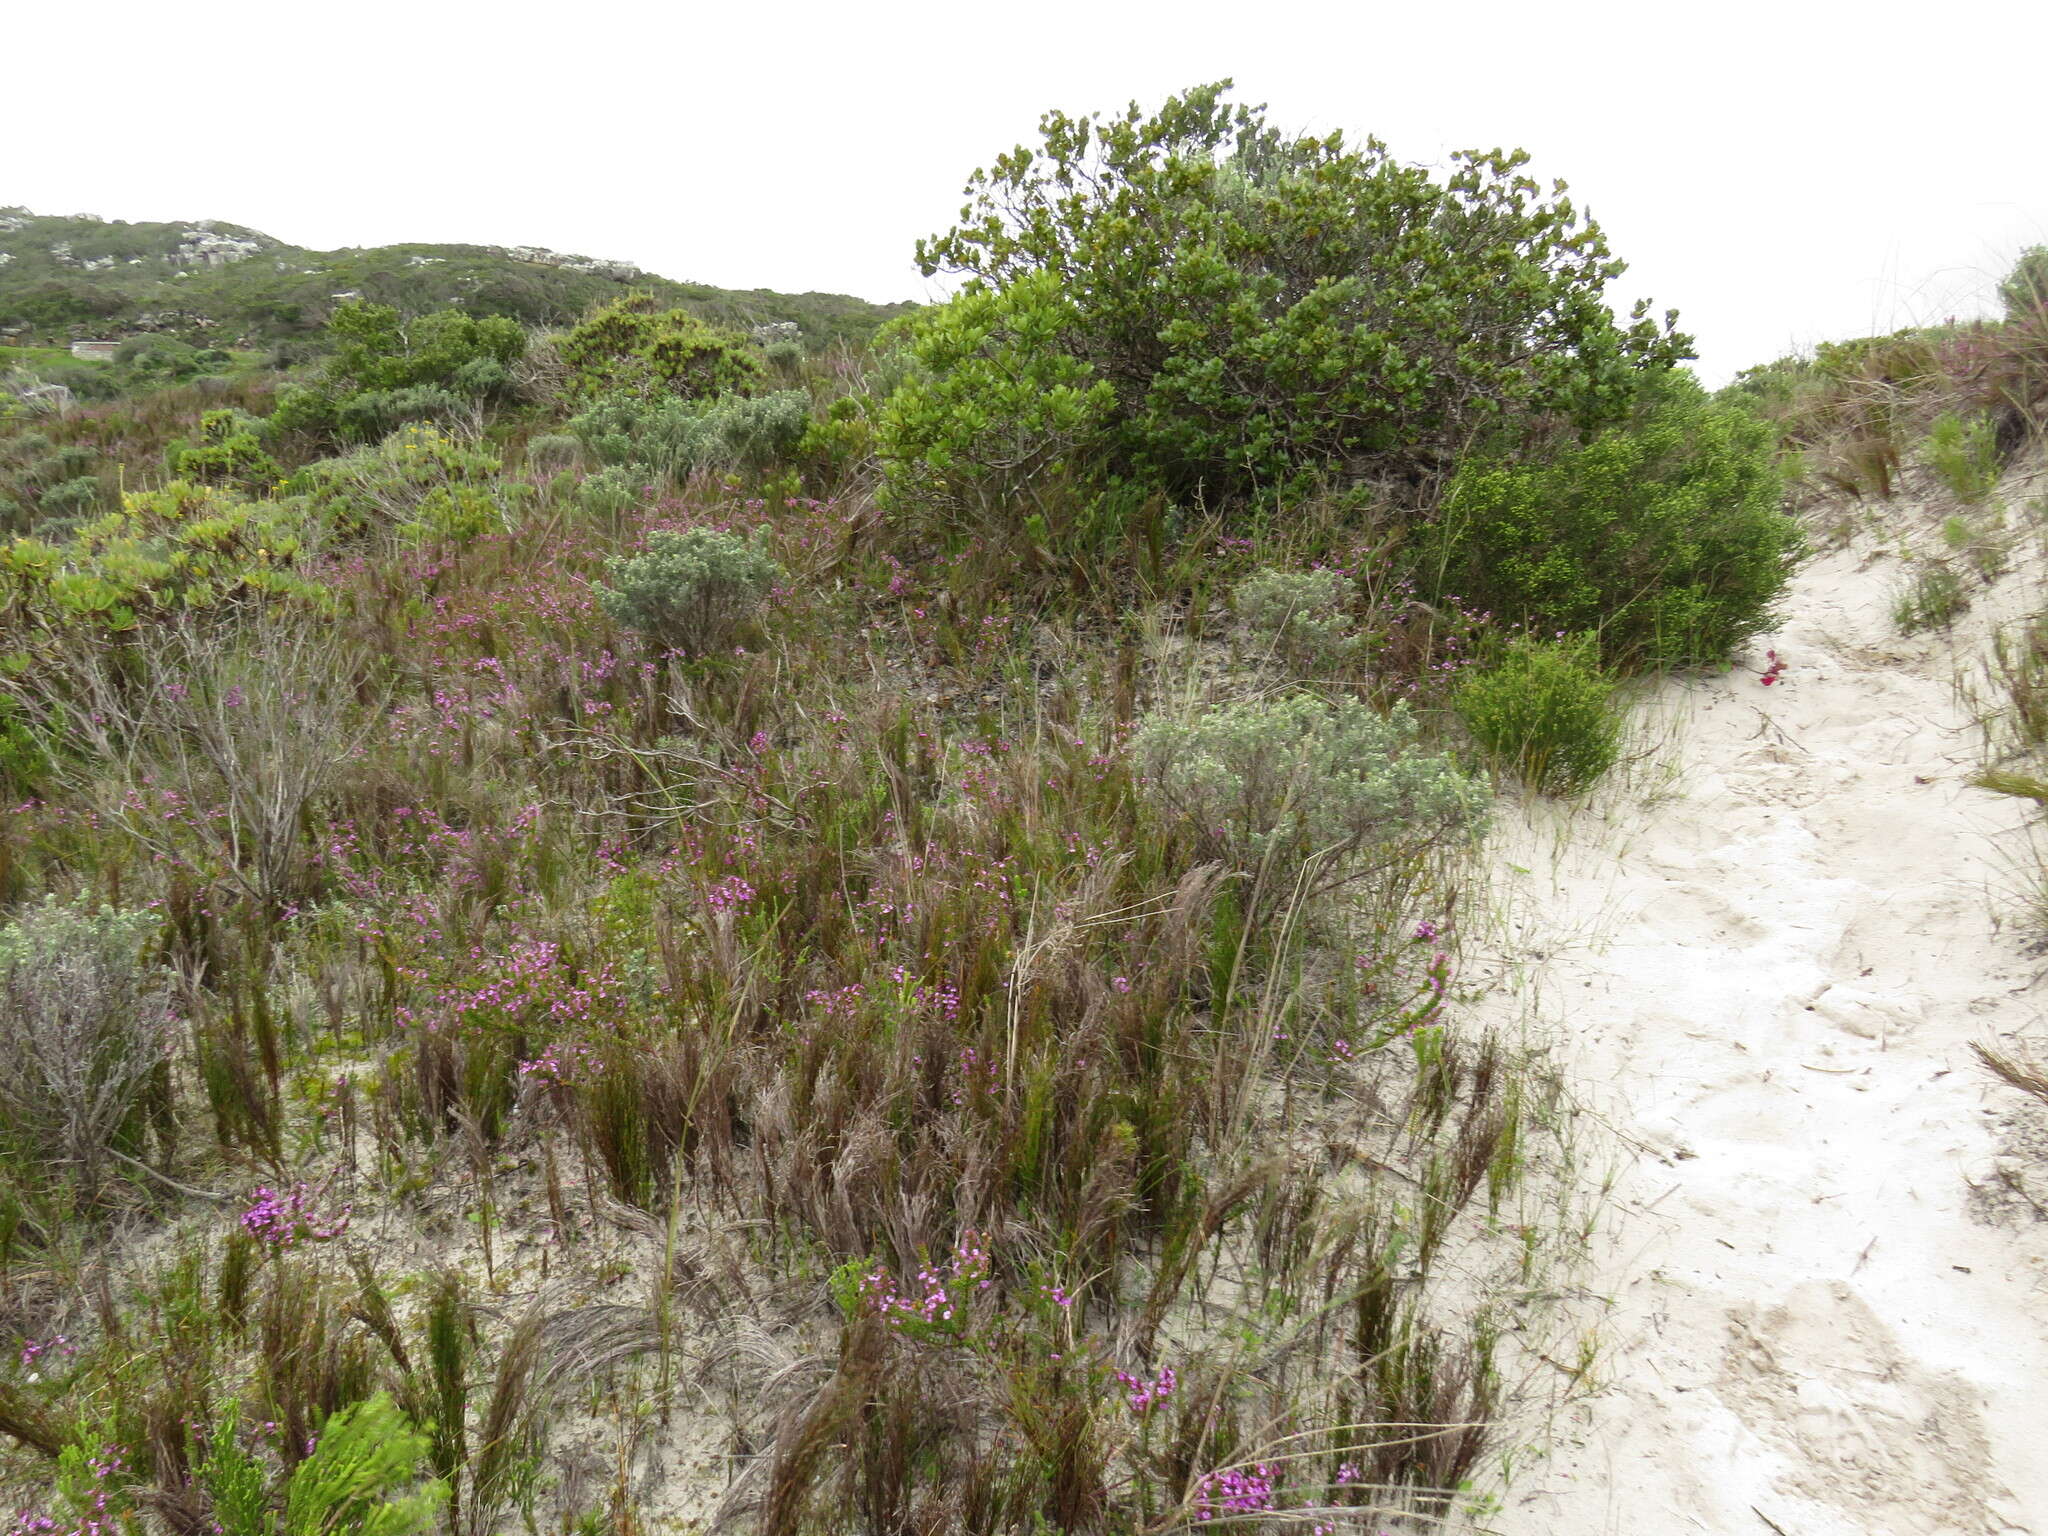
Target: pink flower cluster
<point>1235,1491</point>
<point>729,893</point>
<point>33,1350</point>
<point>976,1075</point>
<point>936,1296</point>
<point>563,1063</point>
<point>1142,1395</point>
<point>282,1218</point>
<point>99,1520</point>
<point>942,999</point>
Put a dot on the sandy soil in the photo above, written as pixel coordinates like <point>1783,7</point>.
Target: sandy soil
<point>1821,1310</point>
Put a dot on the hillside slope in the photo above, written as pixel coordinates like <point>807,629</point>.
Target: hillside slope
<point>69,278</point>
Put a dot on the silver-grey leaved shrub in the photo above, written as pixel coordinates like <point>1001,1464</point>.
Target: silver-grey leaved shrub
<point>675,437</point>
<point>85,1021</point>
<point>691,591</point>
<point>1298,617</point>
<point>1303,793</point>
<point>615,489</point>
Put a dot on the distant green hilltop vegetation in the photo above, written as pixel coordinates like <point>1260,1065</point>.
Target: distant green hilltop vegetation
<point>65,279</point>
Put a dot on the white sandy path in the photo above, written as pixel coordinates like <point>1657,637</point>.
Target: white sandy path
<point>1767,985</point>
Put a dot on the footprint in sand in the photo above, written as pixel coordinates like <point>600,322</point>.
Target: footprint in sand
<point>1869,1015</point>
<point>1823,1383</point>
<point>1693,914</point>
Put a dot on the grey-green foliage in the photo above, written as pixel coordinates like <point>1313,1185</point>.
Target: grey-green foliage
<point>364,1478</point>
<point>72,498</point>
<point>552,451</point>
<point>677,436</point>
<point>62,464</point>
<point>1273,786</point>
<point>615,488</point>
<point>691,591</point>
<point>1300,617</point>
<point>84,1022</point>
<point>1964,454</point>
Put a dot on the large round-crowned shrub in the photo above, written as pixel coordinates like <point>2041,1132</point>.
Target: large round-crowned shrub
<point>1196,304</point>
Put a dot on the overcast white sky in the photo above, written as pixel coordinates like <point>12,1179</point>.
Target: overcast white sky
<point>1781,173</point>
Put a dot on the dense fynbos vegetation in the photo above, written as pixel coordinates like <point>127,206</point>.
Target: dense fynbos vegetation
<point>657,921</point>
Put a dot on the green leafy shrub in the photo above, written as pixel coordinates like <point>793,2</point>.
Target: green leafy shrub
<point>631,347</point>
<point>84,1024</point>
<point>837,443</point>
<point>229,453</point>
<point>692,591</point>
<point>1546,712</point>
<point>1664,537</point>
<point>179,549</point>
<point>384,370</point>
<point>1301,617</point>
<point>23,761</point>
<point>455,514</point>
<point>1273,786</point>
<point>1964,455</point>
<point>1231,312</point>
<point>2024,292</point>
<point>997,416</point>
<point>72,498</point>
<point>365,1478</point>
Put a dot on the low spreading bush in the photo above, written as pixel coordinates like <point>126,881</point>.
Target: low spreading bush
<point>180,549</point>
<point>1299,787</point>
<point>1546,712</point>
<point>691,592</point>
<point>385,486</point>
<point>676,437</point>
<point>1299,617</point>
<point>1665,538</point>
